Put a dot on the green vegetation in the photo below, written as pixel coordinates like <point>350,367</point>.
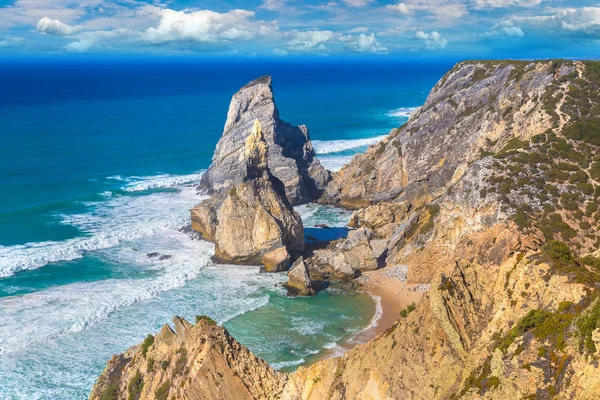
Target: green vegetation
<point>584,131</point>
<point>110,393</point>
<point>164,364</point>
<point>432,210</point>
<point>181,361</point>
<point>150,365</point>
<point>162,393</point>
<point>381,148</point>
<point>206,319</point>
<point>563,262</point>
<point>479,378</point>
<point>135,386</point>
<point>410,308</point>
<point>533,319</point>
<point>149,341</point>
<point>586,324</point>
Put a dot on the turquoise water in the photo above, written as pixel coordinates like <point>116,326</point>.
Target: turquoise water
<point>98,168</point>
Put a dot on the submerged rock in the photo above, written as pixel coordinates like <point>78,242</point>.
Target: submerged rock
<point>253,218</point>
<point>291,156</point>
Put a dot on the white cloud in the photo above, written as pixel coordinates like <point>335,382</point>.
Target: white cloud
<point>400,8</point>
<point>310,40</point>
<point>506,3</point>
<point>55,27</point>
<point>12,41</point>
<point>207,26</point>
<point>274,5</point>
<point>443,10</point>
<point>505,28</point>
<point>568,21</point>
<point>357,3</point>
<point>364,43</point>
<point>433,40</point>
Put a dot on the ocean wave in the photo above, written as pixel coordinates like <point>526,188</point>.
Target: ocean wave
<point>143,183</point>
<point>73,308</point>
<point>250,305</point>
<point>109,223</point>
<point>335,163</point>
<point>375,319</point>
<point>336,146</point>
<point>285,364</point>
<point>403,112</point>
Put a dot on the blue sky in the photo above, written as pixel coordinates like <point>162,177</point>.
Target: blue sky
<point>309,28</point>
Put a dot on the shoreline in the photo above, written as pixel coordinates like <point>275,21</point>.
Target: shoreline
<point>391,294</point>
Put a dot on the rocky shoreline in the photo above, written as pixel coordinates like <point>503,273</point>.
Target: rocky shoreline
<point>475,223</point>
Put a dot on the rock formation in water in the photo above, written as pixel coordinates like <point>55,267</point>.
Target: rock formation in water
<point>291,155</point>
<point>489,194</point>
<point>254,218</point>
<point>299,282</point>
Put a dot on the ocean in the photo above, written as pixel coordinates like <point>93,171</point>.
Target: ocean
<point>99,161</point>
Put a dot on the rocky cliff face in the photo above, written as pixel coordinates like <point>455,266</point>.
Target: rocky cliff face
<point>254,217</point>
<point>489,194</point>
<point>291,156</point>
<point>476,107</point>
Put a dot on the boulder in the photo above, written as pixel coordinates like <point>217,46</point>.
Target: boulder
<point>254,217</point>
<point>291,156</point>
<point>299,282</point>
<point>276,261</point>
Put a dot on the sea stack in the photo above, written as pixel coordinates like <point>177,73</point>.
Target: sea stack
<point>290,153</point>
<point>253,218</point>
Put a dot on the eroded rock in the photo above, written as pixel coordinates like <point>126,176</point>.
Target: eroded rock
<point>291,156</point>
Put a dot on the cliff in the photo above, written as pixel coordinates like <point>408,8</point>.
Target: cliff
<point>489,194</point>
<point>291,156</point>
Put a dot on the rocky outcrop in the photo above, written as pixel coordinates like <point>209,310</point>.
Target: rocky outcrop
<point>291,156</point>
<point>200,361</point>
<point>477,107</point>
<point>253,218</point>
<point>277,260</point>
<point>299,282</point>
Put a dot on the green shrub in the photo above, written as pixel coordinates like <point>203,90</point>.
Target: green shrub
<point>584,131</point>
<point>110,393</point>
<point>149,341</point>
<point>410,308</point>
<point>163,391</point>
<point>181,361</point>
<point>150,365</point>
<point>533,319</point>
<point>206,319</point>
<point>586,324</point>
<point>135,386</point>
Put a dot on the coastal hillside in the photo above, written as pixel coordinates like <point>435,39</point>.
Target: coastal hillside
<point>488,196</point>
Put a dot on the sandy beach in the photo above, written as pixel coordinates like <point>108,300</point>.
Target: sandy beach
<point>394,294</point>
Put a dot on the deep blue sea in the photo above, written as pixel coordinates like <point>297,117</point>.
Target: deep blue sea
<point>98,166</point>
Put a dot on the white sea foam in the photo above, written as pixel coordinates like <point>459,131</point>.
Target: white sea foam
<point>403,112</point>
<point>334,163</point>
<point>71,308</point>
<point>335,146</point>
<point>376,317</point>
<point>142,183</point>
<point>108,223</point>
<point>285,364</point>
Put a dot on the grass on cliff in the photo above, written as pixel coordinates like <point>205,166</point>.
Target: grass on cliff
<point>134,389</point>
<point>162,393</point>
<point>149,341</point>
<point>206,319</point>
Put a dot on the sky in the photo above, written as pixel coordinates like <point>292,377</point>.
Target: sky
<point>305,28</point>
